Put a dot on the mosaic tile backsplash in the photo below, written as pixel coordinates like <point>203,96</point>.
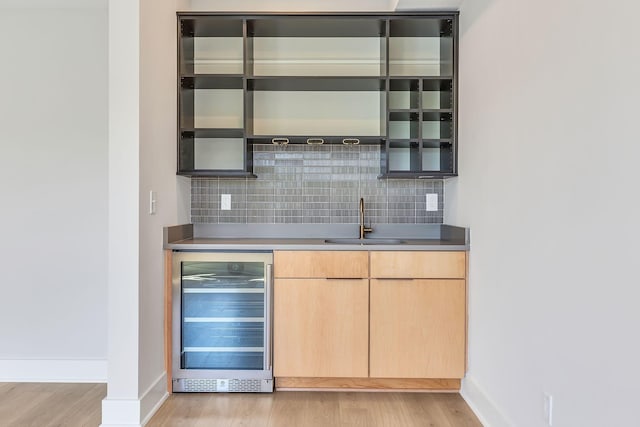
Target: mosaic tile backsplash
<point>314,185</point>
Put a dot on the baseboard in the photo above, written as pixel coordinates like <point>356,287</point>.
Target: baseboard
<point>53,370</point>
<point>130,412</point>
<point>481,405</point>
<point>153,398</point>
<point>120,413</point>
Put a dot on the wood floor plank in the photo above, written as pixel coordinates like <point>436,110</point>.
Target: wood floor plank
<point>430,410</point>
<point>458,411</point>
<point>79,405</point>
<point>317,409</point>
<point>51,405</point>
<point>354,411</point>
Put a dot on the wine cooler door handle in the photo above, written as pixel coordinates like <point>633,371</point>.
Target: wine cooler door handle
<point>268,330</point>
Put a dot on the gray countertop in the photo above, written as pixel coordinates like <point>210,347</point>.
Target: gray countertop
<point>424,237</point>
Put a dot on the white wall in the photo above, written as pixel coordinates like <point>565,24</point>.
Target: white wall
<point>53,184</point>
<point>158,45</point>
<point>548,185</point>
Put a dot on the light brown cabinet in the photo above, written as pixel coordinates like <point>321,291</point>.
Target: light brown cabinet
<point>418,265</point>
<point>321,314</point>
<point>321,264</point>
<point>322,328</point>
<point>417,328</point>
<point>375,318</point>
<point>417,315</point>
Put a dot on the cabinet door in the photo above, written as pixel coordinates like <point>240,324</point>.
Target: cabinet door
<point>321,328</point>
<point>417,329</point>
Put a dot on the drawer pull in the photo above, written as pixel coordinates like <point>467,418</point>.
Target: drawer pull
<point>279,141</point>
<point>315,141</point>
<point>351,141</point>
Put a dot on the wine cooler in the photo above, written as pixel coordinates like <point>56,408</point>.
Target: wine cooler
<point>222,316</point>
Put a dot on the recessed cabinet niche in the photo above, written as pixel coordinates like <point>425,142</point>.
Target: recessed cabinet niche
<point>377,79</point>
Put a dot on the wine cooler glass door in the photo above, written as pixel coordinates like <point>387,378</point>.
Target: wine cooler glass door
<point>224,307</point>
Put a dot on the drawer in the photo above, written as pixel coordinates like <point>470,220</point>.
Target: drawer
<point>321,264</point>
<point>418,265</point>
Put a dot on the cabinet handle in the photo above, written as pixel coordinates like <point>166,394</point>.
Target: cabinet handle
<point>315,141</point>
<point>279,141</point>
<point>351,141</point>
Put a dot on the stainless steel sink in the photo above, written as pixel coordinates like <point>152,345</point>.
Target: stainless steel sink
<point>372,241</point>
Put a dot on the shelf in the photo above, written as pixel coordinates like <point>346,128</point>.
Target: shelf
<point>421,47</point>
<point>432,157</point>
<point>307,26</point>
<point>317,56</point>
<point>214,108</point>
<point>212,132</point>
<point>211,26</point>
<point>320,112</point>
<point>403,111</point>
<point>212,55</point>
<point>435,159</point>
<point>436,143</point>
<point>330,67</point>
<point>436,125</point>
<point>437,94</point>
<point>211,81</point>
<point>418,175</point>
<point>403,155</point>
<point>437,116</point>
<point>404,94</point>
<point>212,153</point>
<point>438,111</point>
<point>298,83</point>
<point>217,173</point>
<point>421,27</point>
<point>442,84</point>
<point>428,67</point>
<point>404,125</point>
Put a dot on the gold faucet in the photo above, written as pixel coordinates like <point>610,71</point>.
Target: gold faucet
<point>363,229</point>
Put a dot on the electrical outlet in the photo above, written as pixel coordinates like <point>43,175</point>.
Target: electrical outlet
<point>225,202</point>
<point>432,202</point>
<point>548,409</point>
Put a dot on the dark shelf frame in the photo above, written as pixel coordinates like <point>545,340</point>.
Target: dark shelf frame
<point>378,25</point>
<point>322,83</point>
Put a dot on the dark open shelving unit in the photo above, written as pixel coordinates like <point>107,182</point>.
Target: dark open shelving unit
<point>322,78</point>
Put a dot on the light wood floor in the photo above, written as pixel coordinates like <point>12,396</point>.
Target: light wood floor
<point>316,409</point>
<point>79,405</point>
<point>51,405</point>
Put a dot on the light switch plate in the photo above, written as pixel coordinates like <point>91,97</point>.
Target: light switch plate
<point>225,202</point>
<point>432,202</point>
<point>152,202</point>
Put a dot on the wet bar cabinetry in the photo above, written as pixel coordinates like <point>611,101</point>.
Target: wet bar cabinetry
<point>369,319</point>
<point>383,79</point>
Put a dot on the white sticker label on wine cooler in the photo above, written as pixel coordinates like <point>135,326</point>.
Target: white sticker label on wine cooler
<point>222,385</point>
